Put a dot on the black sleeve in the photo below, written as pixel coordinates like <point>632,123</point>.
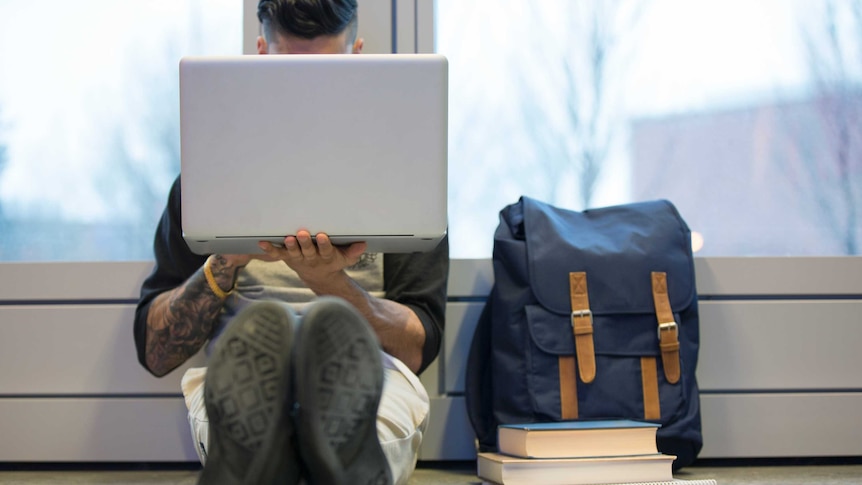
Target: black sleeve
<point>175,263</point>
<point>419,280</point>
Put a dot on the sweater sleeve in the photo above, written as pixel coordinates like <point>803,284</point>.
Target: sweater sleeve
<point>419,281</point>
<point>174,264</point>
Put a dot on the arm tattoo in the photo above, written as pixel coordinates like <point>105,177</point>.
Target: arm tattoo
<point>180,322</point>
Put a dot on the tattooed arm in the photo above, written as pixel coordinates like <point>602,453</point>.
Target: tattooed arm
<point>177,309</point>
<point>180,321</point>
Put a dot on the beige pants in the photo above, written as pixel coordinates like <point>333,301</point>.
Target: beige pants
<point>401,418</point>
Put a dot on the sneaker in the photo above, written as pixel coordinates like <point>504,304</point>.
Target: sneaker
<point>339,379</point>
<point>248,400</point>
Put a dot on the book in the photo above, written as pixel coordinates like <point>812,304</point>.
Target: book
<point>570,439</point>
<point>675,481</point>
<point>511,470</point>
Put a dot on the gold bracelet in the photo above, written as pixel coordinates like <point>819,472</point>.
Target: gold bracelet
<point>208,273</point>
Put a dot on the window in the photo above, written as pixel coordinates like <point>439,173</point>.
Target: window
<point>89,122</point>
<point>746,115</point>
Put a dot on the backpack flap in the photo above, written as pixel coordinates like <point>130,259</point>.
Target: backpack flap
<point>617,247</point>
<point>602,263</point>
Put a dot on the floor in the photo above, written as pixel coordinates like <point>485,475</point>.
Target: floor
<point>843,472</point>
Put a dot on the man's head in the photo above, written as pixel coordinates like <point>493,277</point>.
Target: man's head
<point>308,27</point>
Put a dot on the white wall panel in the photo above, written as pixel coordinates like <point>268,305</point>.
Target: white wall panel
<point>405,31</point>
<point>779,276</point>
<point>781,344</point>
<point>461,318</point>
<point>781,425</point>
<point>425,35</point>
<point>250,26</point>
<point>432,377</point>
<point>375,26</point>
<point>470,278</point>
<point>449,435</point>
<point>75,349</point>
<point>95,430</point>
<point>72,281</point>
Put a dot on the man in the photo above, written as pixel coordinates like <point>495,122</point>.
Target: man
<point>289,396</point>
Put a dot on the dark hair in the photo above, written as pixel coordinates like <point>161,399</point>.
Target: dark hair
<point>308,18</point>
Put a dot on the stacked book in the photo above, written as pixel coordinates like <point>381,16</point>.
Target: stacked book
<point>578,453</point>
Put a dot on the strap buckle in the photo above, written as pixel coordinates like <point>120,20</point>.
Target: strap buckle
<point>667,326</point>
<point>586,328</point>
<point>581,313</point>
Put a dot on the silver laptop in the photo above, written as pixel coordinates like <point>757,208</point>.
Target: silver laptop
<point>352,145</point>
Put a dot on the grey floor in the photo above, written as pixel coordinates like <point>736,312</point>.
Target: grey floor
<point>463,473</point>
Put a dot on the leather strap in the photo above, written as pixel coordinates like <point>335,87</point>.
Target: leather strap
<point>582,326</point>
<point>568,388</point>
<point>668,333</point>
<point>649,380</point>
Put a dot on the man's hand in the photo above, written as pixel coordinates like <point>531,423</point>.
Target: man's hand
<point>321,266</point>
<point>315,259</point>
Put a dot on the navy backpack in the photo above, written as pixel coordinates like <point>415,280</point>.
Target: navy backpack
<point>592,315</point>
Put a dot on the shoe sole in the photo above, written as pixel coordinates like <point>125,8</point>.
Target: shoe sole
<point>246,387</point>
<point>339,379</point>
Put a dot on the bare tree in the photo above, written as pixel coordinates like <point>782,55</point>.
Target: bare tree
<point>832,177</point>
<point>567,105</point>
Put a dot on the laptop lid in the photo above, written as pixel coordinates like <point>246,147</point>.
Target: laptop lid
<point>353,145</point>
